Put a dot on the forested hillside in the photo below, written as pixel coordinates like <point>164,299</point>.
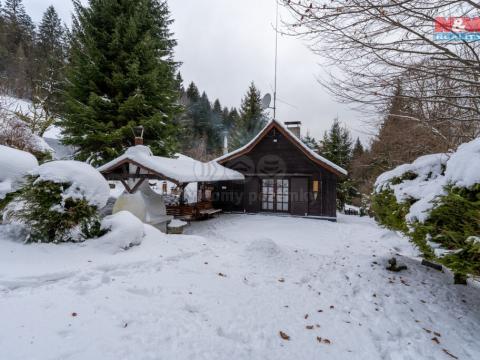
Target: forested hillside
<point>106,75</point>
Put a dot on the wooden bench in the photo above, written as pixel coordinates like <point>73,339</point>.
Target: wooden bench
<point>198,211</point>
<point>210,212</point>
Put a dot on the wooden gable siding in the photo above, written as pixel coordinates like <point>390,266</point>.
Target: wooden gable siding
<point>284,159</point>
<point>270,158</point>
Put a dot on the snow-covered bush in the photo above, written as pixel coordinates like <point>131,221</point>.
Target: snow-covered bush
<point>59,202</point>
<point>21,127</point>
<point>14,165</point>
<point>436,202</point>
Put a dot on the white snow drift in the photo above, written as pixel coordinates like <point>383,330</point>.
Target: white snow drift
<point>228,293</point>
<point>124,231</point>
<point>14,165</point>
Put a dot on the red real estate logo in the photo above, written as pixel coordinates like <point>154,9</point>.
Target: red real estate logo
<point>457,28</point>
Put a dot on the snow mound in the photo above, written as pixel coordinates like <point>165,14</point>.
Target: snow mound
<point>429,176</point>
<point>425,167</point>
<point>53,132</point>
<point>139,150</point>
<point>125,231</point>
<point>463,168</point>
<point>265,248</point>
<point>428,192</point>
<point>14,164</point>
<point>86,182</point>
<point>175,223</point>
<point>426,184</point>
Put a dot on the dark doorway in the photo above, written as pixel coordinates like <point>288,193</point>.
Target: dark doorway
<point>299,196</point>
<point>275,195</point>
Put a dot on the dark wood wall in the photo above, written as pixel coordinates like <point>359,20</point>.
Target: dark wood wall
<point>274,156</point>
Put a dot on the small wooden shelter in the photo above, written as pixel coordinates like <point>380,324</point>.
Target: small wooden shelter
<point>138,165</point>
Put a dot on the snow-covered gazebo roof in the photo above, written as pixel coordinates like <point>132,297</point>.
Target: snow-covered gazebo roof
<point>181,170</point>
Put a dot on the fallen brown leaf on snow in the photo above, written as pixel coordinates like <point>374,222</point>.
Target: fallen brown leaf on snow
<point>284,336</point>
<point>309,327</point>
<point>323,341</point>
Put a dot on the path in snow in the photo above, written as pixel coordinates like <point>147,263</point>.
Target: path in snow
<point>226,292</point>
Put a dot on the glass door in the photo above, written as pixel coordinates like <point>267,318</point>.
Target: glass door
<point>282,195</point>
<point>275,195</point>
<point>268,191</point>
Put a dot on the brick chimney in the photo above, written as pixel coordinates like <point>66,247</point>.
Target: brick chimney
<point>138,133</point>
<point>294,127</point>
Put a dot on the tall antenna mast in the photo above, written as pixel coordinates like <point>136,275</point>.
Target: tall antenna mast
<point>276,67</point>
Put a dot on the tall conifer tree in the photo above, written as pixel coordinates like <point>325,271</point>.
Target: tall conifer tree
<point>121,75</point>
<point>18,34</point>
<point>252,118</point>
<point>336,146</point>
<point>51,59</point>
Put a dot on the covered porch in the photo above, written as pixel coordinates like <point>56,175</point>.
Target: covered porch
<point>138,169</point>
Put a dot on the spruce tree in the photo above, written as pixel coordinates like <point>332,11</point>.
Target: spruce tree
<point>18,34</point>
<point>252,118</point>
<point>3,50</point>
<point>217,107</point>
<point>336,146</point>
<point>358,149</point>
<point>179,83</point>
<point>121,75</point>
<point>231,119</point>
<point>310,141</point>
<point>51,59</point>
<point>193,94</point>
<point>225,113</point>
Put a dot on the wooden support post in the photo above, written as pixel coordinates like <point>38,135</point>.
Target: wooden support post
<point>182,194</point>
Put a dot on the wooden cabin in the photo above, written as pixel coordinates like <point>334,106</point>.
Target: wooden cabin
<point>282,175</point>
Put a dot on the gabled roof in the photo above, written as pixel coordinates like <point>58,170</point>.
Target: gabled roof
<point>312,155</point>
<point>181,170</point>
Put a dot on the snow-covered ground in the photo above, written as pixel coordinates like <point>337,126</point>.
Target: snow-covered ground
<point>227,292</point>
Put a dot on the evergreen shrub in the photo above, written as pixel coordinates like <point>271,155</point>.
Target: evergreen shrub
<point>50,216</point>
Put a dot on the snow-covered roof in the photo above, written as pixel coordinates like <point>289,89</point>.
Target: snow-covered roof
<point>296,140</point>
<point>182,169</point>
<point>14,164</point>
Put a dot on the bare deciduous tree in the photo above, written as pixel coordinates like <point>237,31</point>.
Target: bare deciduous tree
<point>375,46</point>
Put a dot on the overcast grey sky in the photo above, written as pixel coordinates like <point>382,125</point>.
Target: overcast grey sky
<point>225,44</point>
